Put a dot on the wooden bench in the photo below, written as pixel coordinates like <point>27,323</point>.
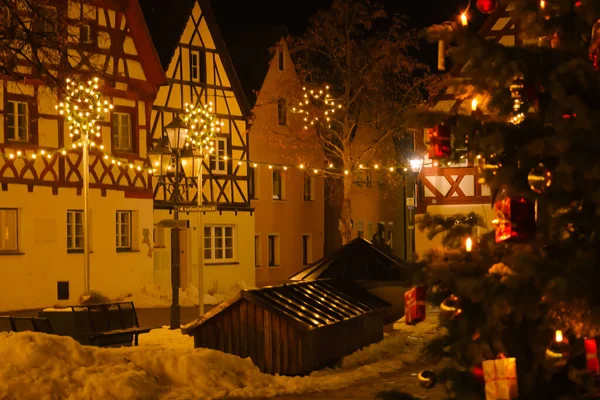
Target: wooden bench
<point>23,324</point>
<point>111,324</point>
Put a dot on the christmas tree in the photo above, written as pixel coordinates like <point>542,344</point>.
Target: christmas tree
<point>527,290</point>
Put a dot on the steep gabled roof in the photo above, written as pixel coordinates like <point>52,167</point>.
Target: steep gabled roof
<point>155,74</point>
<point>167,21</point>
<point>255,46</point>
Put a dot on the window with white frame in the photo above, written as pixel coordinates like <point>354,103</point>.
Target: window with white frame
<point>273,250</point>
<point>75,230</point>
<point>257,253</point>
<point>121,131</point>
<point>9,224</point>
<point>198,66</point>
<point>17,121</point>
<point>308,187</point>
<point>123,232</point>
<point>218,162</point>
<point>220,243</point>
<point>195,65</point>
<point>277,186</point>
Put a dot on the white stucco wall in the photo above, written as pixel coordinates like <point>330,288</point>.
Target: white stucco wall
<point>29,280</point>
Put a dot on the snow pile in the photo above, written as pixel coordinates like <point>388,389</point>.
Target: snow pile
<point>164,366</point>
<point>153,296</point>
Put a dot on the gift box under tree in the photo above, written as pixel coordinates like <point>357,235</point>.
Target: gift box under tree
<point>500,379</point>
<point>414,305</point>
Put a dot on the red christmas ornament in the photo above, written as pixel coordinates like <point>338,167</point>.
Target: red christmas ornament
<point>439,142</point>
<point>515,219</point>
<point>591,353</point>
<point>486,6</point>
<point>414,305</point>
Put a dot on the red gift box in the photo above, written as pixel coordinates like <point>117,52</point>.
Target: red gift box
<point>439,142</point>
<point>515,219</point>
<point>414,305</point>
<point>591,353</point>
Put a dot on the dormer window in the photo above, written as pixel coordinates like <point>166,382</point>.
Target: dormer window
<point>198,66</point>
<point>85,34</point>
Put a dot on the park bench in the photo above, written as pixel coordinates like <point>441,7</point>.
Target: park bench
<point>22,324</point>
<point>111,324</point>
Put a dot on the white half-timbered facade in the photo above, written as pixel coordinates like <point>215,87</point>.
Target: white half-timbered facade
<point>200,71</point>
<point>41,205</point>
<point>456,189</point>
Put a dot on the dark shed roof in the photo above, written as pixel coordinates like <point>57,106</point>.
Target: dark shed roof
<point>308,304</point>
<point>358,260</point>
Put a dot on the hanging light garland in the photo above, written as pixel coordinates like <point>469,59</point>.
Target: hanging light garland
<point>203,126</point>
<point>316,99</point>
<point>83,108</point>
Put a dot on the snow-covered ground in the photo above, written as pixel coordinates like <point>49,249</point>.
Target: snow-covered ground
<point>153,296</point>
<point>166,366</point>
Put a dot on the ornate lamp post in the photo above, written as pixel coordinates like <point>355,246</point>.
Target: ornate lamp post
<point>175,146</point>
<point>411,181</point>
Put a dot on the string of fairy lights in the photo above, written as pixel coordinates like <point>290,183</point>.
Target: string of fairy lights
<point>83,108</point>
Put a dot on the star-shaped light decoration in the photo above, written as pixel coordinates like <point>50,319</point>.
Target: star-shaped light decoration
<point>83,107</point>
<point>203,126</point>
<point>321,102</point>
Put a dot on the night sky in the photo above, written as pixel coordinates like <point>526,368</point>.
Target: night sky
<point>245,26</point>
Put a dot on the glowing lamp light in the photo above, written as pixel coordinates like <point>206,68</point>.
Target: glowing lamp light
<point>558,336</point>
<point>416,164</point>
<point>474,105</point>
<point>463,19</point>
<point>469,245</point>
<point>542,4</point>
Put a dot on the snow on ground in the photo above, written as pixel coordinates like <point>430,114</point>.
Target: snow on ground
<point>166,366</point>
<point>153,296</point>
<point>424,328</point>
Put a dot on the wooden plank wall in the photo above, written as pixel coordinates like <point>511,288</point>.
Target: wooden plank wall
<point>276,346</point>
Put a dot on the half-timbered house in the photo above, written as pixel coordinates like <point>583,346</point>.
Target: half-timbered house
<point>457,188</point>
<point>200,71</point>
<point>41,205</point>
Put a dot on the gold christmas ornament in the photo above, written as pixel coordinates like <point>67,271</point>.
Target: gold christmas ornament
<point>539,178</point>
<point>450,307</point>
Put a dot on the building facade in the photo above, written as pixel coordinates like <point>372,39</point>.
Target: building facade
<point>288,201</point>
<point>41,205</point>
<point>200,72</point>
<point>457,189</point>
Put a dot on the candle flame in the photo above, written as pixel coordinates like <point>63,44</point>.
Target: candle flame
<point>474,105</point>
<point>559,336</point>
<point>469,245</point>
<point>463,19</point>
<point>542,4</point>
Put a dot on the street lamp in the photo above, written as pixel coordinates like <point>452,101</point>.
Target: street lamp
<point>175,146</point>
<point>416,164</point>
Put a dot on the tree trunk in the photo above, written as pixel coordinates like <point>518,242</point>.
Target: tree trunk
<point>346,217</point>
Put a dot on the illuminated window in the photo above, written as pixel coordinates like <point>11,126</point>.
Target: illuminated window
<point>9,229</point>
<point>219,243</point>
<point>17,121</point>
<point>75,230</point>
<point>121,131</point>
<point>123,233</point>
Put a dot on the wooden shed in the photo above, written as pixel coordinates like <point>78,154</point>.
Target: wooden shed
<point>295,328</point>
